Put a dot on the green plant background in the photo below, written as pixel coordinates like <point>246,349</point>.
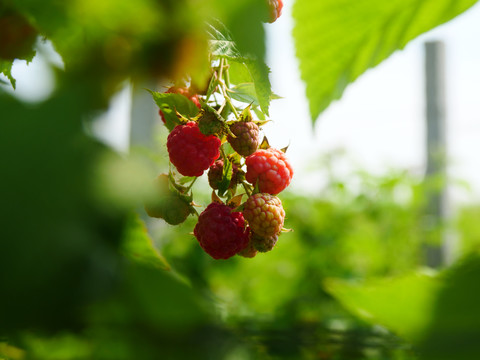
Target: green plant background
<point>81,275</point>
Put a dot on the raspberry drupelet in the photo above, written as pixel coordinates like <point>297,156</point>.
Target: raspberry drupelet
<point>190,151</point>
<point>271,169</point>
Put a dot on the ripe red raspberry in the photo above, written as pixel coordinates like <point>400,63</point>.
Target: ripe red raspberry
<point>270,168</point>
<point>167,204</point>
<point>265,214</point>
<point>215,175</point>
<point>247,137</point>
<point>182,91</point>
<point>221,232</point>
<point>263,244</point>
<point>190,151</point>
<point>276,7</point>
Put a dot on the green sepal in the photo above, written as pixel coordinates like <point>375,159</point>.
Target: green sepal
<point>264,145</point>
<point>246,114</point>
<point>235,201</point>
<point>284,150</point>
<point>226,176</point>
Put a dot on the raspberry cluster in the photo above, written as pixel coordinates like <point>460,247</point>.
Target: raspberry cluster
<point>213,132</point>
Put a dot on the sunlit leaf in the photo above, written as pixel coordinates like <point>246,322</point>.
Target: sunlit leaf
<point>245,93</point>
<point>402,304</point>
<point>337,41</point>
<point>139,246</point>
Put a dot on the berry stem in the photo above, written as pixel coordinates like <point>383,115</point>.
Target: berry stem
<point>227,75</point>
<point>222,63</point>
<point>191,184</point>
<point>224,87</point>
<point>247,188</point>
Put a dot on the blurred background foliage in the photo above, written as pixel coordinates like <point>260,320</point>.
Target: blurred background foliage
<point>83,276</point>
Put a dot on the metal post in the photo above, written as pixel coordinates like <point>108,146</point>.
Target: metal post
<point>144,115</point>
<point>436,150</point>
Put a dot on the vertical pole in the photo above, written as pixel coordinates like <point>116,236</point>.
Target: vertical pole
<point>144,115</point>
<point>436,150</point>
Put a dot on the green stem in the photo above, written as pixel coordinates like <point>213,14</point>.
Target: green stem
<point>222,152</point>
<point>227,75</point>
<point>247,190</point>
<point>222,63</point>
<point>191,184</point>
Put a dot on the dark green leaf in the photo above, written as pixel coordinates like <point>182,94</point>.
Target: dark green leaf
<point>403,304</point>
<point>226,176</point>
<point>455,322</point>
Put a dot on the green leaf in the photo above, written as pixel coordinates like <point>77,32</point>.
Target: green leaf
<point>138,245</point>
<point>245,21</point>
<point>238,73</point>
<point>6,69</point>
<point>221,42</point>
<point>223,46</point>
<point>455,326</point>
<point>226,176</point>
<point>403,304</point>
<point>259,113</point>
<point>168,103</point>
<point>259,73</point>
<point>337,41</point>
<point>245,93</point>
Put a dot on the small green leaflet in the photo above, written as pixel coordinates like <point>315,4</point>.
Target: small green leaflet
<point>6,69</point>
<point>168,103</point>
<point>226,177</point>
<point>403,305</point>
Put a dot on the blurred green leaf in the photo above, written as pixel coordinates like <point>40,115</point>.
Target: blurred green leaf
<point>221,42</point>
<point>6,69</point>
<point>238,73</point>
<point>402,304</point>
<point>454,329</point>
<point>138,245</point>
<point>257,70</point>
<point>337,41</point>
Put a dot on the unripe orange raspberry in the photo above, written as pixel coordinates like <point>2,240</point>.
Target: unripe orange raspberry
<point>265,214</point>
